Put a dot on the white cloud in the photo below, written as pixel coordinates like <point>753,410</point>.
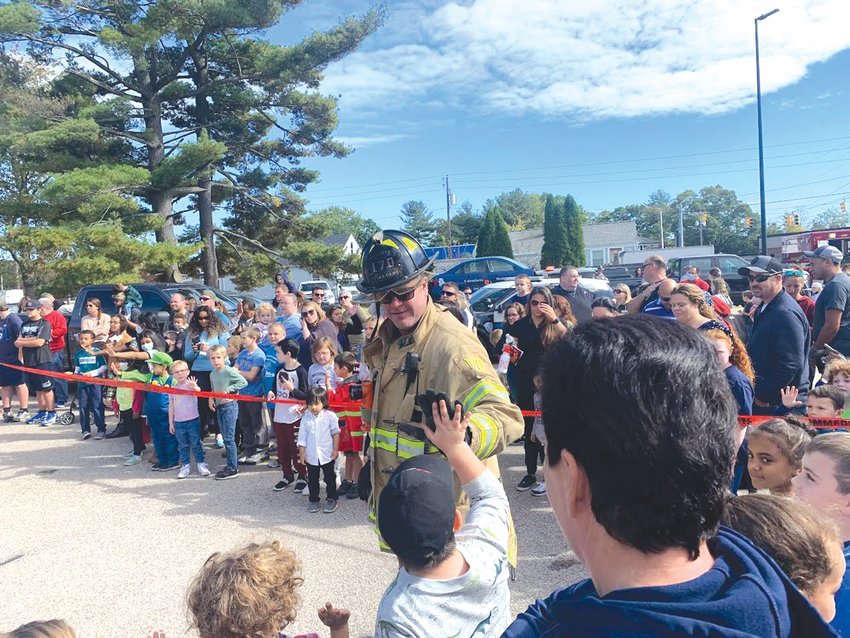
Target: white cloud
<point>587,59</point>
<point>361,141</point>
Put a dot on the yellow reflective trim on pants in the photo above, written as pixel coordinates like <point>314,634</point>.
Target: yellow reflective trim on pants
<point>488,434</point>
<point>431,449</point>
<point>384,439</point>
<point>480,390</point>
<point>408,448</point>
<point>344,414</point>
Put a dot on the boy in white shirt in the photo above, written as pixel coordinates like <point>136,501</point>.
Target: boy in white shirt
<point>453,579</point>
<point>318,447</point>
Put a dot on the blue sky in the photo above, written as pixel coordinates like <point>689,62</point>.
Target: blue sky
<point>607,100</point>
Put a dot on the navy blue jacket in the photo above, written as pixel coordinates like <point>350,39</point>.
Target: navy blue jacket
<point>743,595</point>
<point>779,348</point>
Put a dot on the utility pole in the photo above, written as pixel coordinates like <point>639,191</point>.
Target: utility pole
<point>762,207</point>
<point>661,223</point>
<point>449,216</point>
<point>681,242</point>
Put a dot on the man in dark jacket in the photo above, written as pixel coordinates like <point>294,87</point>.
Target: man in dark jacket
<point>779,339</point>
<point>579,297</point>
<point>638,484</point>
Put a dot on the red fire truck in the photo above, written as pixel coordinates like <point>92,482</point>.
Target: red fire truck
<point>789,247</point>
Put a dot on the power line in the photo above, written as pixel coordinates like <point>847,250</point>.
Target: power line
<point>603,163</point>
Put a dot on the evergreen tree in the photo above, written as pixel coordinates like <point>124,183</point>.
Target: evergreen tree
<point>162,65</point>
<point>574,254</point>
<point>484,245</point>
<point>501,244</point>
<point>555,241</point>
<point>419,222</point>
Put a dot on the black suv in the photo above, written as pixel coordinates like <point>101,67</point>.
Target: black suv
<point>156,298</point>
<point>728,265</point>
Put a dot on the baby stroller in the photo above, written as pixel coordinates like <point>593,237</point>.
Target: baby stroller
<point>68,417</point>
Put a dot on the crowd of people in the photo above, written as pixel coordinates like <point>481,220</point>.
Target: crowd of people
<point>687,522</point>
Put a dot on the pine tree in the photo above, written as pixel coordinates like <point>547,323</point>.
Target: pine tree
<point>575,236</point>
<point>484,245</point>
<point>501,245</point>
<point>555,241</point>
<point>419,222</point>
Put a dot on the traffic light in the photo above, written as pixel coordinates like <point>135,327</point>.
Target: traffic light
<point>748,222</point>
<point>796,219</point>
<point>788,221</point>
<point>843,207</point>
<point>703,218</point>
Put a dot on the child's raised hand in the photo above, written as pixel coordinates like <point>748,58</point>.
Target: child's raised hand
<point>449,432</point>
<point>789,397</point>
<point>193,381</point>
<point>333,617</point>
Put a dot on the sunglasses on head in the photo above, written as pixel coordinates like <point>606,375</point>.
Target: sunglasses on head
<point>407,295</point>
<point>792,273</point>
<point>760,278</point>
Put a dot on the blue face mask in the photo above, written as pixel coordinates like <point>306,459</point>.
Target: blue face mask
<point>147,347</point>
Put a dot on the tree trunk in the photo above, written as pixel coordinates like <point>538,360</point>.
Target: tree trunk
<point>209,259</point>
<point>161,202</point>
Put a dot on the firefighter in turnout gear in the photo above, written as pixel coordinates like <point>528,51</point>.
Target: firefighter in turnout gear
<point>420,346</point>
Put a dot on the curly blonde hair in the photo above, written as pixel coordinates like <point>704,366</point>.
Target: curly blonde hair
<point>250,592</point>
<point>834,368</point>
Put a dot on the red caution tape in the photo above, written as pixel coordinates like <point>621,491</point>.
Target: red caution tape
<point>146,387</point>
<point>743,421</point>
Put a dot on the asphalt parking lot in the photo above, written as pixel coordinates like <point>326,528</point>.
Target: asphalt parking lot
<point>112,549</point>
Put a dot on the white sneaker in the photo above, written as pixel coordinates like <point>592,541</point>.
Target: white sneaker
<point>219,441</point>
<point>203,470</point>
<point>22,416</point>
<point>133,460</point>
<point>184,471</point>
<point>539,489</point>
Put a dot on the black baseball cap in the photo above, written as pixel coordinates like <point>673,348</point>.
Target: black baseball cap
<point>762,265</point>
<point>416,509</point>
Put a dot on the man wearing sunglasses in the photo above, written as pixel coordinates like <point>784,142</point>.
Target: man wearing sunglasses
<point>779,340</point>
<point>395,272</point>
<point>654,271</point>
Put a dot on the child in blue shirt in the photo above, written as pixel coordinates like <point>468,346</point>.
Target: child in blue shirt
<point>90,362</point>
<point>250,364</point>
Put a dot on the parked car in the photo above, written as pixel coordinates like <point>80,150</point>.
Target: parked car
<point>728,265</point>
<point>306,287</point>
<point>474,273</point>
<point>155,298</point>
<point>488,304</point>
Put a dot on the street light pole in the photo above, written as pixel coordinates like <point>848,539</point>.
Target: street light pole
<point>761,140</point>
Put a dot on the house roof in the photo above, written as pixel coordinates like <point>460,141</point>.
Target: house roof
<point>609,234</point>
<point>340,239</point>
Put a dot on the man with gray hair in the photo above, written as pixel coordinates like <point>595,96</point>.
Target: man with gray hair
<point>59,325</point>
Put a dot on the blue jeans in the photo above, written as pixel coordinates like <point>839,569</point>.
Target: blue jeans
<point>227,413</point>
<point>91,406</point>
<point>188,435</point>
<point>60,386</point>
<point>163,441</point>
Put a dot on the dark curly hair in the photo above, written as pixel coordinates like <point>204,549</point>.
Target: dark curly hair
<point>214,327</point>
